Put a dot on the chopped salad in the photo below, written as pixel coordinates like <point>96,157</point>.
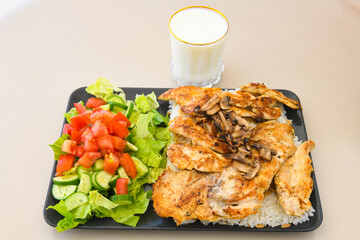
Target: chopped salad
<point>110,149</point>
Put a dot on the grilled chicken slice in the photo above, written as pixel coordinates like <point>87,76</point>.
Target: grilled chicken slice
<point>189,97</point>
<point>183,196</point>
<point>199,136</point>
<point>258,89</point>
<point>187,156</point>
<point>233,196</point>
<point>294,183</point>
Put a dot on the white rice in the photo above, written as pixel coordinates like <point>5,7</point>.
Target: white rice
<point>271,212</point>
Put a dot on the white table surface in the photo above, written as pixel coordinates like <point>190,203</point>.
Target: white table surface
<point>50,48</point>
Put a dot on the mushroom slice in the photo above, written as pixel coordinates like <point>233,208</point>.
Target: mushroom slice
<point>211,128</point>
<point>242,122</point>
<point>265,153</point>
<point>224,121</point>
<point>213,110</point>
<point>239,156</point>
<point>225,102</point>
<point>238,134</point>
<point>211,103</point>
<point>244,151</point>
<point>249,171</point>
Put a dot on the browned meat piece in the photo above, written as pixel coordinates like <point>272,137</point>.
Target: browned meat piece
<point>233,196</point>
<point>186,156</point>
<point>189,97</point>
<point>258,89</point>
<point>183,196</point>
<point>199,136</point>
<point>294,183</point>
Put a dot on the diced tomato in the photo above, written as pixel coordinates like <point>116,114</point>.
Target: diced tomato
<point>87,135</point>
<point>69,146</point>
<point>65,162</point>
<point>118,143</point>
<point>88,159</point>
<point>91,145</point>
<point>94,102</point>
<point>80,121</point>
<point>80,151</point>
<point>128,164</point>
<point>80,108</point>
<point>76,136</point>
<point>99,129</point>
<point>122,186</point>
<point>121,117</point>
<point>105,143</point>
<point>119,129</point>
<point>117,153</point>
<point>111,163</point>
<point>67,129</point>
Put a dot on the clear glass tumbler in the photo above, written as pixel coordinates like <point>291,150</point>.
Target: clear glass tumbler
<point>197,35</point>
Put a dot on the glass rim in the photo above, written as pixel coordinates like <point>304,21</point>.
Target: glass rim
<point>199,44</point>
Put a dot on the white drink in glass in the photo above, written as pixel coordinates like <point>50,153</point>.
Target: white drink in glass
<point>197,41</point>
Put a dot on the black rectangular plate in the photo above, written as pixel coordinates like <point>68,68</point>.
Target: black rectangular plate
<point>150,220</point>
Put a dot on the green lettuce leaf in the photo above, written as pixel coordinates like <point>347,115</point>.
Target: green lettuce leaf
<point>141,128</point>
<point>158,118</point>
<point>102,88</point>
<point>146,103</point>
<point>147,151</point>
<point>56,146</point>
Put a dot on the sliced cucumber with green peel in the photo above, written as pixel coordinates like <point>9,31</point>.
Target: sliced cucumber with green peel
<point>85,183</point>
<point>99,164</point>
<point>116,99</point>
<point>93,182</point>
<point>141,168</point>
<point>81,170</point>
<point>62,192</point>
<point>112,182</point>
<point>129,110</point>
<point>122,173</point>
<point>76,199</point>
<point>131,146</point>
<point>122,199</point>
<point>66,180</point>
<point>102,179</point>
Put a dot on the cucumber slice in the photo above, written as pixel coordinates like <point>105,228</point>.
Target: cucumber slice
<point>81,170</point>
<point>99,164</point>
<point>76,199</point>
<point>67,180</point>
<point>62,192</point>
<point>93,182</point>
<point>102,179</point>
<point>141,168</point>
<point>85,183</point>
<point>131,146</point>
<point>129,110</point>
<point>122,199</point>
<point>122,173</point>
<point>112,182</point>
<point>116,99</point>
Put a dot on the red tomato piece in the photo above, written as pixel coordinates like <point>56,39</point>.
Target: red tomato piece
<point>105,143</point>
<point>91,145</point>
<point>99,129</point>
<point>118,143</point>
<point>80,121</point>
<point>119,129</point>
<point>80,108</point>
<point>80,151</point>
<point>88,159</point>
<point>69,146</point>
<point>76,136</point>
<point>87,135</point>
<point>111,163</point>
<point>122,186</point>
<point>65,162</point>
<point>67,129</point>
<point>128,164</point>
<point>121,117</point>
<point>94,102</point>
